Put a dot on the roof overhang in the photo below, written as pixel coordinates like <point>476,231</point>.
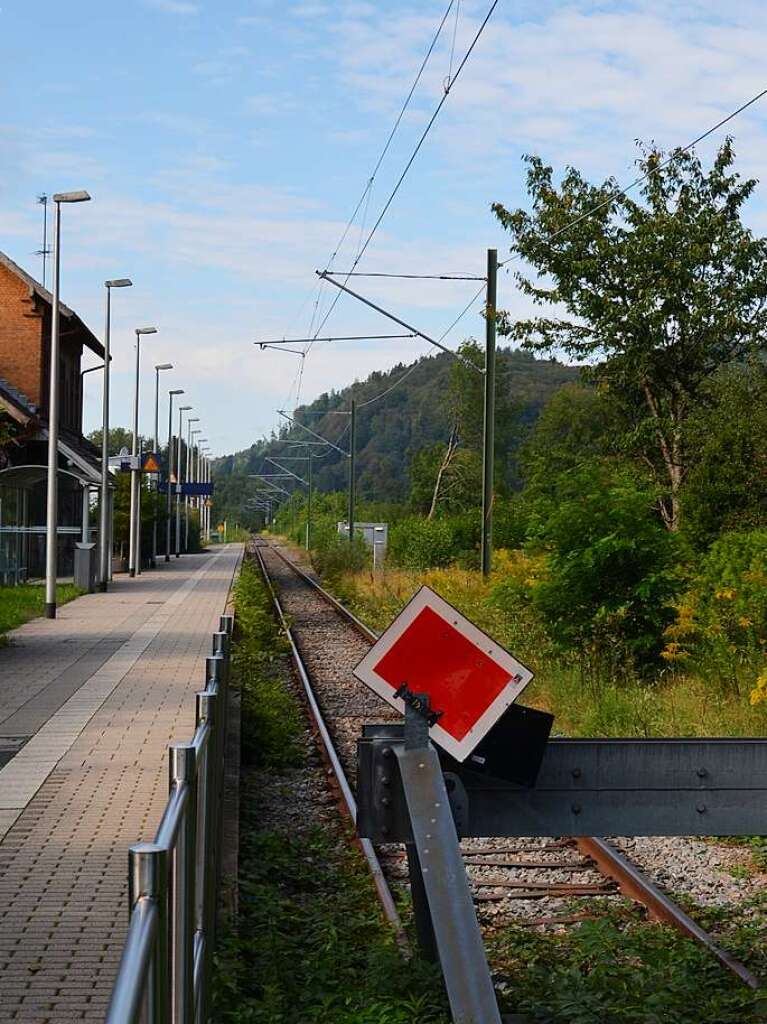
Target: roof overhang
<point>28,476</point>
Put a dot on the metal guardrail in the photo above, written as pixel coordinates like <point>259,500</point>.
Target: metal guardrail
<point>165,969</point>
<point>666,787</point>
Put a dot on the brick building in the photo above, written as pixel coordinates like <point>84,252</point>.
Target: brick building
<point>25,338</point>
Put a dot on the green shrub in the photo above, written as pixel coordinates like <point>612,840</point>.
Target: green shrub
<point>610,578</point>
<point>721,624</point>
<point>417,543</point>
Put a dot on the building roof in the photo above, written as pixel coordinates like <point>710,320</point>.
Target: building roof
<point>35,288</point>
<point>15,402</point>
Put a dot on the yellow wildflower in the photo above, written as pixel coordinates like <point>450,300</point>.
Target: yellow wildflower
<point>759,693</point>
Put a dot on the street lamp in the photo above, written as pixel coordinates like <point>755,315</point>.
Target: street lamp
<point>204,454</point>
<point>198,475</point>
<point>157,370</point>
<point>181,410</point>
<point>189,432</point>
<point>105,540</point>
<point>171,394</point>
<point>52,497</point>
<point>134,540</point>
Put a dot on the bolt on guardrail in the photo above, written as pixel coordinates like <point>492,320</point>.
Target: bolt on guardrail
<point>166,965</point>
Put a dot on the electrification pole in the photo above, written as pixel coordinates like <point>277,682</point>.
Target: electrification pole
<point>309,505</point>
<point>488,447</point>
<point>352,468</point>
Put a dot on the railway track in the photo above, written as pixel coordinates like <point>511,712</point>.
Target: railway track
<point>529,882</point>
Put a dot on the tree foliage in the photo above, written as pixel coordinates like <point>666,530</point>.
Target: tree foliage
<point>655,294</point>
<point>610,579</point>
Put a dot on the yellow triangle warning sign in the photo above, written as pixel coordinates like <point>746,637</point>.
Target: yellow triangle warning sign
<point>151,464</point>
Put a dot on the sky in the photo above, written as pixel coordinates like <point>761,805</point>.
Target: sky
<point>226,144</point>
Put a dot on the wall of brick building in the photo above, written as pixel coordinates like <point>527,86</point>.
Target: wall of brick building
<point>21,331</point>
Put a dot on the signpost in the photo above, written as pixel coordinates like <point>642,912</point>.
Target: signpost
<point>432,649</point>
<point>453,683</point>
<point>151,463</point>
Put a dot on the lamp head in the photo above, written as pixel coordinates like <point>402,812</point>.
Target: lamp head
<point>71,197</point>
<point>176,391</point>
<point>163,366</point>
<point>193,419</point>
<point>185,408</point>
<point>146,330</point>
<point>119,282</point>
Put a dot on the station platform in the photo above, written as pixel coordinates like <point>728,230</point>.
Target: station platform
<point>88,704</point>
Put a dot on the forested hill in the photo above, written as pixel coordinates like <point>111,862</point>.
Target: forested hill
<point>414,415</point>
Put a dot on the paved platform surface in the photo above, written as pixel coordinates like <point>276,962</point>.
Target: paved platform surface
<point>92,699</point>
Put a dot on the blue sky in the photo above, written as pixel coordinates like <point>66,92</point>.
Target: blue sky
<point>226,144</point>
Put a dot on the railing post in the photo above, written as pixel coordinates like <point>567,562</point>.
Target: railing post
<point>207,852</point>
<point>214,671</point>
<point>148,878</point>
<point>183,772</point>
<point>221,647</point>
<point>226,624</point>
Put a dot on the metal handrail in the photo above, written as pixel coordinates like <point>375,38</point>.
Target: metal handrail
<point>165,969</point>
<point>128,992</point>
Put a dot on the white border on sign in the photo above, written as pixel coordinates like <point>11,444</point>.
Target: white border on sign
<point>426,598</point>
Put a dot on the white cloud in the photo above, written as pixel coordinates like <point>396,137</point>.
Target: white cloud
<point>175,6</point>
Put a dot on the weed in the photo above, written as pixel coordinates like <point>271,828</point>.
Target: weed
<point>27,601</point>
<point>652,974</point>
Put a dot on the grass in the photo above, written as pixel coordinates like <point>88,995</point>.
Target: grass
<point>27,601</point>
<point>617,970</point>
<point>310,946</point>
<point>676,704</point>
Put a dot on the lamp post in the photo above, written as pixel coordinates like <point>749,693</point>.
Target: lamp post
<point>199,470</point>
<point>134,554</point>
<point>181,410</point>
<point>105,546</point>
<point>157,370</point>
<point>193,466</point>
<point>52,497</point>
<point>171,394</point>
<point>189,432</point>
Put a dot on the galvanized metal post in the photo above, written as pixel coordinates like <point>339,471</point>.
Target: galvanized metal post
<point>488,438</point>
<point>352,468</point>
<point>456,929</point>
<point>417,738</point>
<point>208,712</point>
<point>183,773</point>
<point>148,879</point>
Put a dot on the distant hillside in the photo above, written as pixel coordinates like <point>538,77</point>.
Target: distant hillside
<point>412,416</point>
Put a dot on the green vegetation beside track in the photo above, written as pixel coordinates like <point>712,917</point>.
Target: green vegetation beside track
<point>310,945</point>
<point>27,601</point>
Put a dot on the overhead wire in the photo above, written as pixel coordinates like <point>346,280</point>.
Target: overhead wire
<point>638,181</point>
<point>675,154</point>
<point>452,46</point>
<point>384,151</point>
<point>416,150</point>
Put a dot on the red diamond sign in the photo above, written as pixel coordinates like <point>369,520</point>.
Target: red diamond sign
<point>431,648</point>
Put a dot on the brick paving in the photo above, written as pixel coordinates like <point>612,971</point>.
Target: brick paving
<point>100,692</point>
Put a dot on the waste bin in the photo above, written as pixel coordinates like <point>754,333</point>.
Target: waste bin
<point>85,566</point>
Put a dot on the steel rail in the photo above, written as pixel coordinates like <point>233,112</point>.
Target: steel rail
<point>350,803</point>
<point>632,882</point>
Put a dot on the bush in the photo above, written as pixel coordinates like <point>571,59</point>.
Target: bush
<point>721,623</point>
<point>417,543</point>
<point>610,581</point>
